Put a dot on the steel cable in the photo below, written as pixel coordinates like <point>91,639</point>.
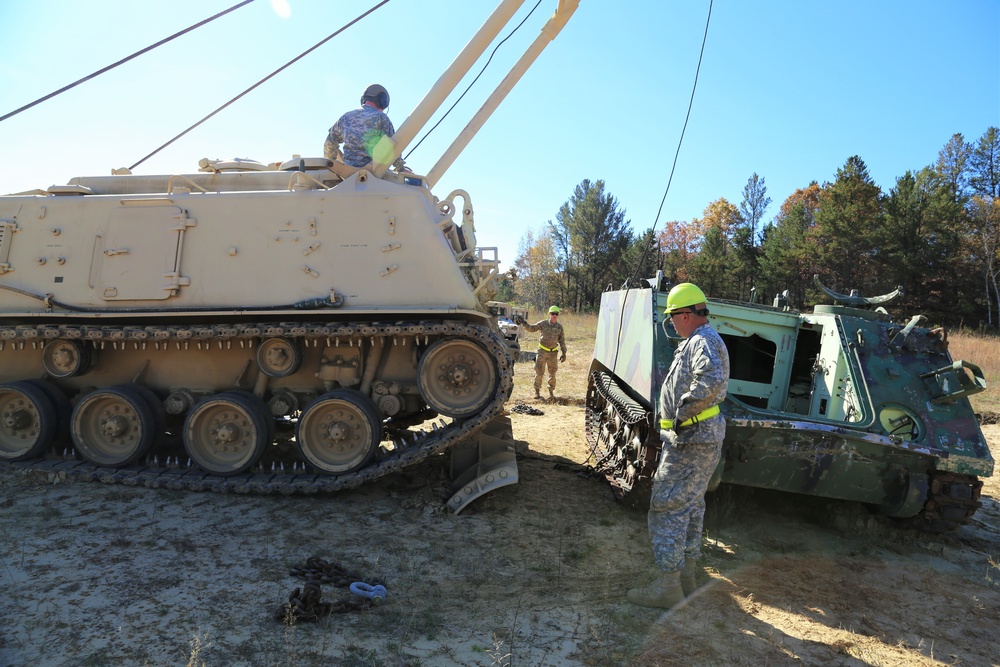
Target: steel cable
<point>266,78</point>
<point>124,60</point>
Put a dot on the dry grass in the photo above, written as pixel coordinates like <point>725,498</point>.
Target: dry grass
<point>983,351</point>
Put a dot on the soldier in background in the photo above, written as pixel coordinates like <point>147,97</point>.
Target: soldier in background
<point>691,429</point>
<point>361,129</point>
<point>552,339</point>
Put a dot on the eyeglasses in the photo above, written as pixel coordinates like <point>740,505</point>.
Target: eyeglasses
<point>680,312</point>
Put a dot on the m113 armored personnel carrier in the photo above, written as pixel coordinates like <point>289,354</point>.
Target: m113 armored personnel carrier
<point>839,403</point>
<point>155,329</point>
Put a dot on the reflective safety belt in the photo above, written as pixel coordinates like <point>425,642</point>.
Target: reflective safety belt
<point>667,424</point>
<point>547,349</point>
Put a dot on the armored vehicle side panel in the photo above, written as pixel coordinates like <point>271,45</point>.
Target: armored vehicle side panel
<point>375,243</point>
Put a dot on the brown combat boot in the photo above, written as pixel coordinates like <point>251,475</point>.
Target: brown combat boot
<point>664,592</point>
<point>552,395</point>
<point>687,577</point>
<point>538,394</point>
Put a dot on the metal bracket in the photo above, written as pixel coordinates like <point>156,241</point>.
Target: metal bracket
<point>954,383</point>
<point>7,228</point>
<point>481,465</point>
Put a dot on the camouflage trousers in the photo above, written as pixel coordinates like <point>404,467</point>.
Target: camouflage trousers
<point>545,360</point>
<point>677,505</point>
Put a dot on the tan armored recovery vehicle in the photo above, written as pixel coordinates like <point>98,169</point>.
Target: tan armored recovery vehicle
<point>167,325</point>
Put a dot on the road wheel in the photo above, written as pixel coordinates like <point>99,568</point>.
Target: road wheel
<point>456,377</point>
<point>28,421</point>
<point>339,431</point>
<point>227,433</point>
<point>113,426</point>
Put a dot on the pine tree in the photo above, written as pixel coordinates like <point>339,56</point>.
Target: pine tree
<point>592,235</point>
<point>848,221</point>
<point>919,246</point>
<point>984,165</point>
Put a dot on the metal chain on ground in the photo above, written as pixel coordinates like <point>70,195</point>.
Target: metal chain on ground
<point>325,572</point>
<point>305,603</point>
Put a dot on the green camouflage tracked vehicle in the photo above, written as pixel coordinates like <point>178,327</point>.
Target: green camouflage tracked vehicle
<point>155,329</point>
<point>840,403</point>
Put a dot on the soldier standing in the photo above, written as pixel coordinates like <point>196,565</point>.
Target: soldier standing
<point>361,129</point>
<point>552,339</point>
<point>691,429</point>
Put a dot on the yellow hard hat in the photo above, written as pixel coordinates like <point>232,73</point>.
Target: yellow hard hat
<point>554,309</point>
<point>683,296</point>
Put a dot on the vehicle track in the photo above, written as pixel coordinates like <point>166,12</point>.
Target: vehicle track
<point>289,476</point>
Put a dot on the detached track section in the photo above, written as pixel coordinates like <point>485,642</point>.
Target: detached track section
<point>619,432</point>
<point>409,449</point>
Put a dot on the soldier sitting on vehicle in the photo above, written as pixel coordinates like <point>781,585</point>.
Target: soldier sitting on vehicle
<point>360,130</point>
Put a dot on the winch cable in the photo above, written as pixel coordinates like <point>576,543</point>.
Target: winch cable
<point>488,61</point>
<point>124,60</point>
<point>680,142</point>
<point>266,78</point>
<point>670,179</point>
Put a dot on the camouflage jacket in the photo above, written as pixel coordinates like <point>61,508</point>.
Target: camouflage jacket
<point>552,334</point>
<point>697,380</point>
<point>359,130</point>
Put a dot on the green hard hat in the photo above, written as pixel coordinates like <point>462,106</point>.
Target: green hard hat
<point>684,295</point>
<point>554,309</point>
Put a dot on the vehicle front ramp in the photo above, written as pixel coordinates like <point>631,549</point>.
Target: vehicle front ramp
<point>482,463</point>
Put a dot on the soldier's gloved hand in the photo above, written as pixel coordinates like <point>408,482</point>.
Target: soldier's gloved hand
<point>519,319</point>
<point>562,358</point>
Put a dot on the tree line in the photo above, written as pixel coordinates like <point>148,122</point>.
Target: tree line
<point>936,234</point>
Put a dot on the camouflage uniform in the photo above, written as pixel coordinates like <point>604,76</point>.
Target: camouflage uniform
<point>359,130</point>
<point>696,381</point>
<point>552,339</point>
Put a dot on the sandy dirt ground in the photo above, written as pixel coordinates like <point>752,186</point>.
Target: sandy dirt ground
<point>532,574</point>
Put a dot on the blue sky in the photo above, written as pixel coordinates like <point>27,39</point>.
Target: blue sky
<point>789,89</point>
